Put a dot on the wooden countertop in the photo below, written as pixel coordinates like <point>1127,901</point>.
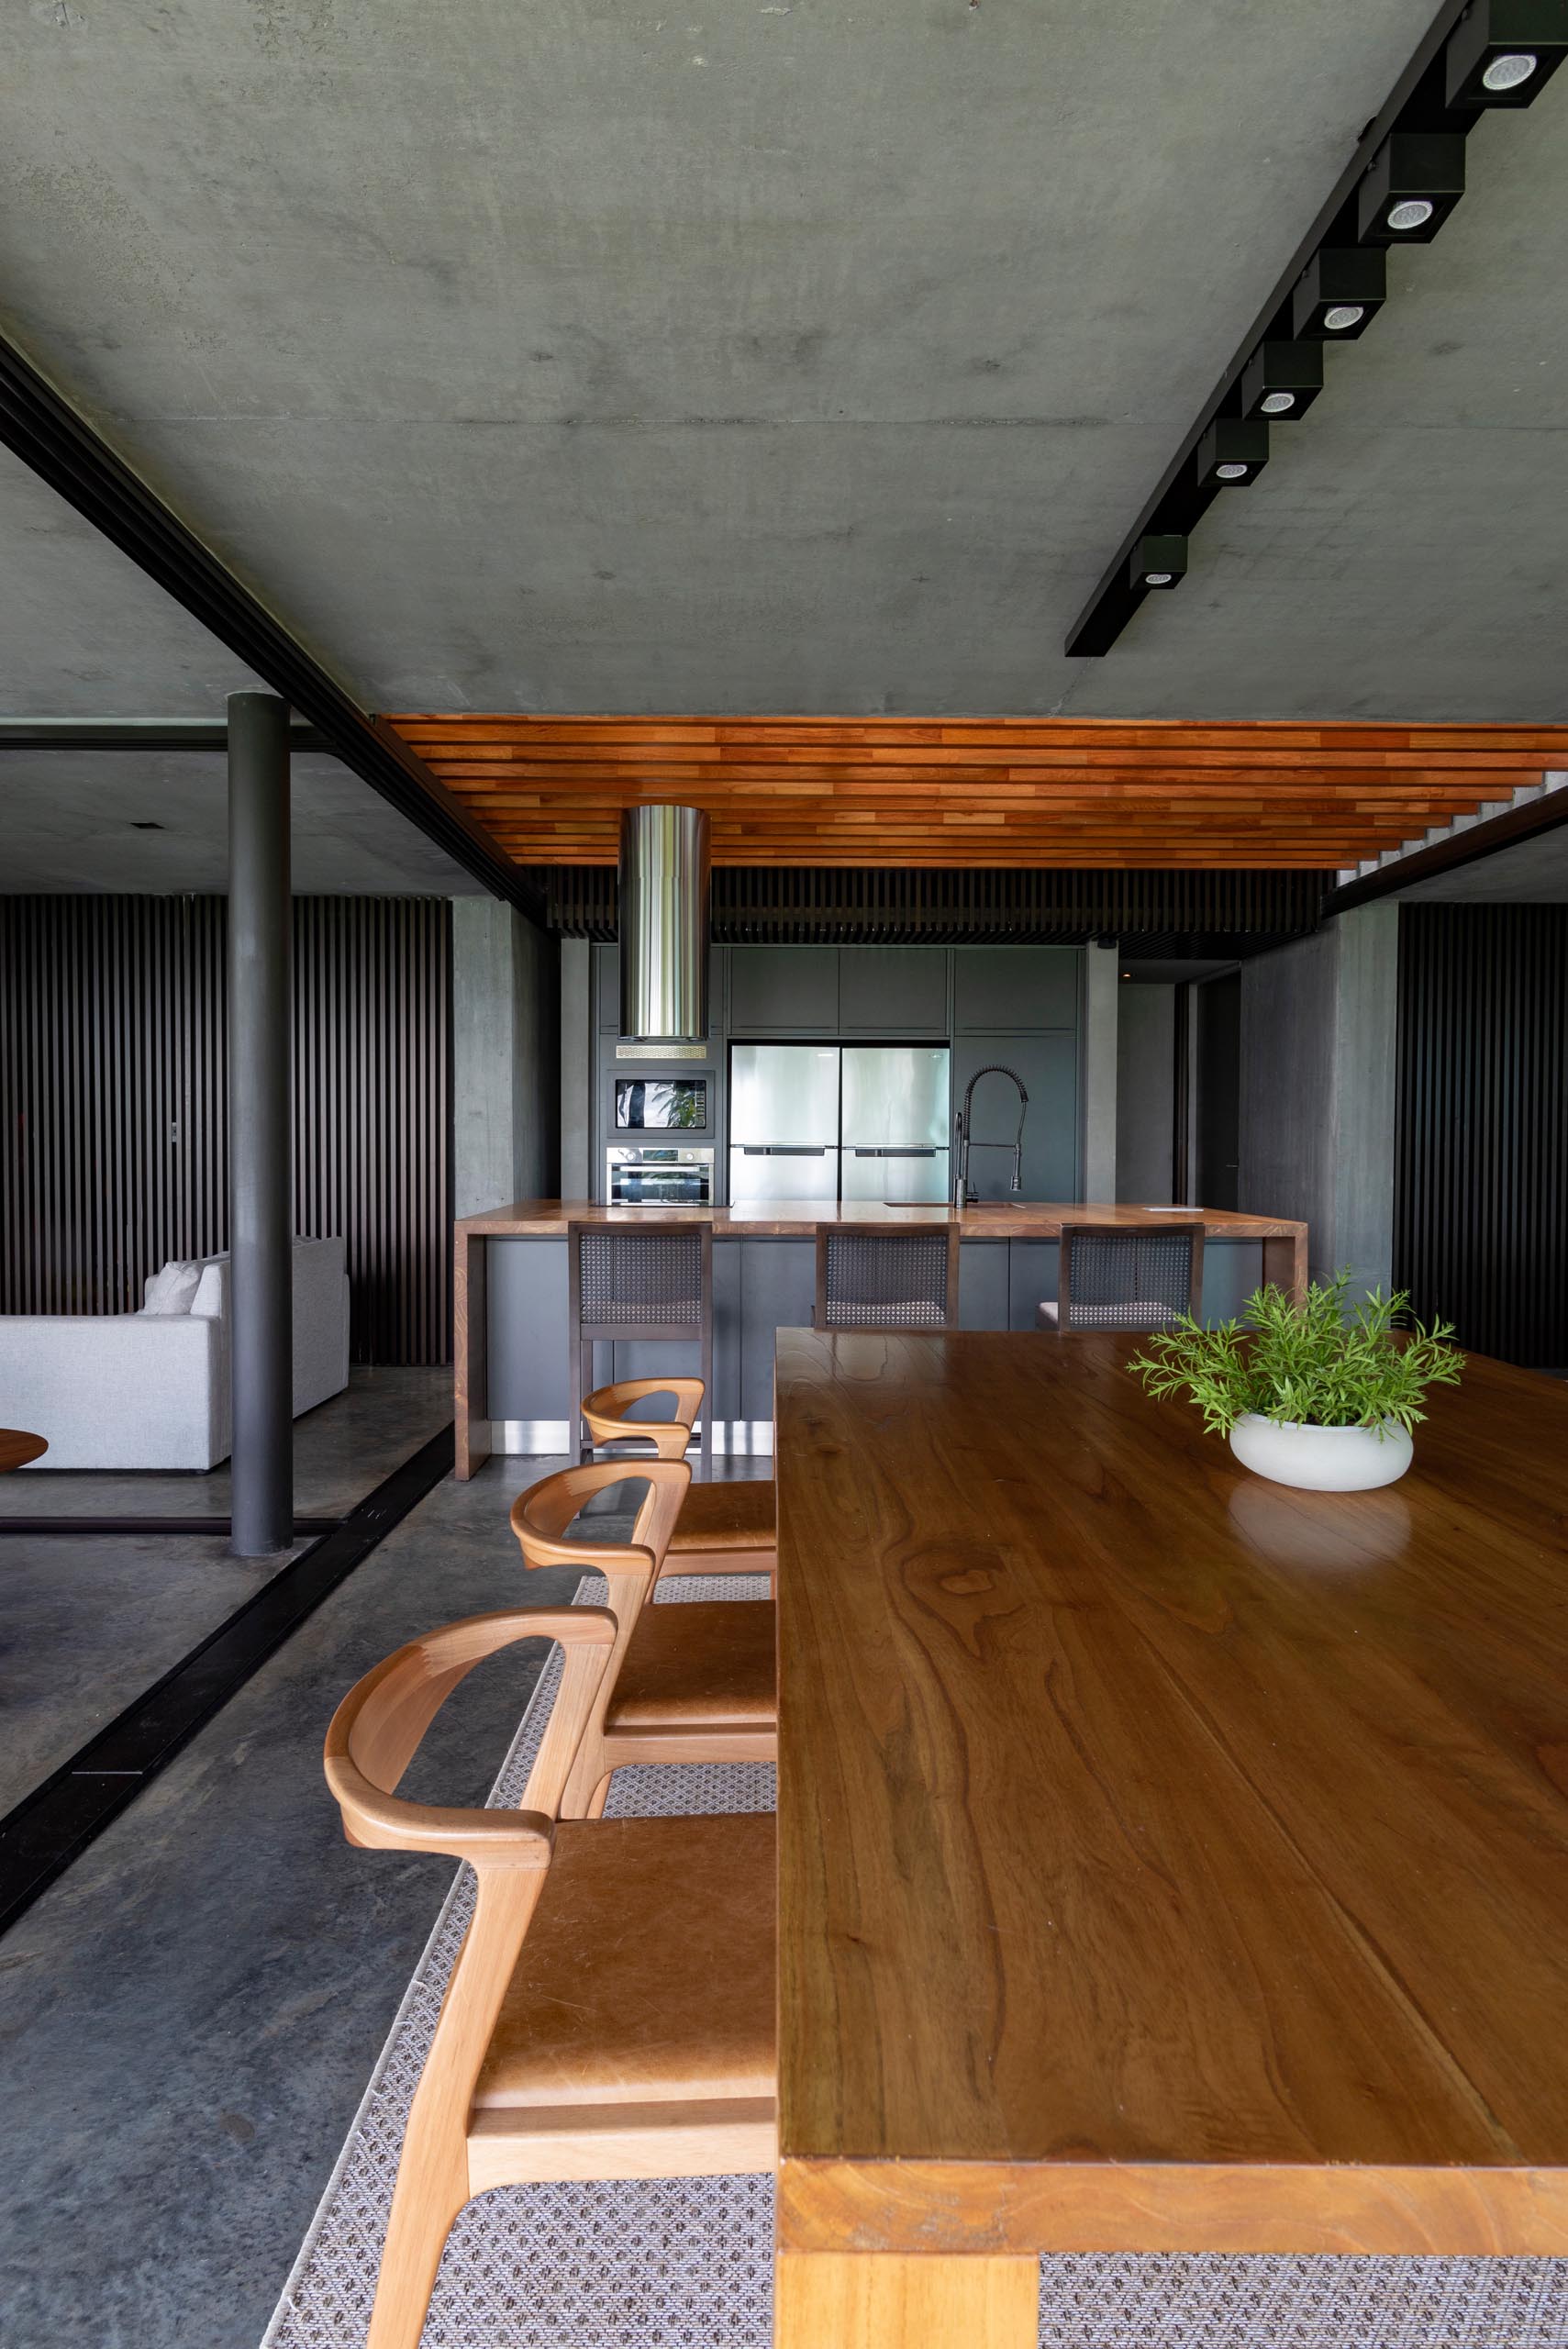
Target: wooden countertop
<point>1169,1861</point>
<point>791,1218</point>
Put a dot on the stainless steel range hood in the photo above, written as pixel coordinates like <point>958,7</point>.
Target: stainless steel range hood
<point>664,912</point>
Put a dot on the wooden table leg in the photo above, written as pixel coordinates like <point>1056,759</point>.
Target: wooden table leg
<point>1284,1264</point>
<point>469,1318</point>
<point>884,2300</point>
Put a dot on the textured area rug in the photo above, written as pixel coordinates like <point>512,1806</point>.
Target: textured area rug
<point>687,2262</point>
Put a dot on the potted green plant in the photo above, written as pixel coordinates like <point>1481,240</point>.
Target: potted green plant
<point>1309,1395</point>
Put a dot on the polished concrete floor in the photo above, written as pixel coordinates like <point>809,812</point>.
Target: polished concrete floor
<point>190,2013</point>
<point>87,1622</point>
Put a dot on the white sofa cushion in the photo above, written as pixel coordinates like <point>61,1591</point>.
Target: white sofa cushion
<point>173,1290</point>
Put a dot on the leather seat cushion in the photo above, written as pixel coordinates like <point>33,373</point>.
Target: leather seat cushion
<point>648,1969</point>
<point>710,1662</point>
<point>731,1516</point>
<point>1046,1315</point>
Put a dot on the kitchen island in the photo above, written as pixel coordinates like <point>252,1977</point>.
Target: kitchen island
<point>510,1318</point>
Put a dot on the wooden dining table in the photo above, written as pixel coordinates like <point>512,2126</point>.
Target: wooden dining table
<point>1168,1860</point>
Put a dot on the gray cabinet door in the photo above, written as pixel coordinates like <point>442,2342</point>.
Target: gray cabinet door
<point>1031,1281</point>
<point>1049,1067</point>
<point>1016,986</point>
<point>983,1285</point>
<point>893,991</point>
<point>784,991</point>
<point>778,1290</point>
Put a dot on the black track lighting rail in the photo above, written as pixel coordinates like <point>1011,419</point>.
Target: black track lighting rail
<point>46,433</point>
<point>1418,108</point>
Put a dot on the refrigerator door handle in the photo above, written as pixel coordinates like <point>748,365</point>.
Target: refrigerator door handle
<point>893,1152</point>
<point>782,1150</point>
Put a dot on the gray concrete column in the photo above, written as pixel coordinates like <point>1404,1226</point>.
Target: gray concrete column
<point>260,1188</point>
<point>505,1057</point>
<point>1102,976</point>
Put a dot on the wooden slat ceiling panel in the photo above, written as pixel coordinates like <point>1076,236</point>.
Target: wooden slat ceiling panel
<point>979,792</point>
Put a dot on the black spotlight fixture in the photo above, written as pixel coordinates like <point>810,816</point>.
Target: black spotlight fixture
<point>1282,380</point>
<point>1232,452</point>
<point>1414,181</point>
<point>1502,51</point>
<point>1160,560</point>
<point>1338,294</point>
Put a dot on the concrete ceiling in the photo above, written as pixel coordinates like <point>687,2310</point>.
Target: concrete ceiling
<point>785,357</point>
<point>71,821</point>
<point>85,634</point>
<point>1533,872</point>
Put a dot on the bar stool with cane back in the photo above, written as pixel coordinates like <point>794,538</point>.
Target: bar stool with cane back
<point>1125,1277</point>
<point>870,1276</point>
<point>695,1682</point>
<point>611,2011</point>
<point>643,1281</point>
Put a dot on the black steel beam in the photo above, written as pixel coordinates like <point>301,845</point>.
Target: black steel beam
<point>40,426</point>
<point>1175,504</point>
<point>1478,840</point>
<point>209,735</point>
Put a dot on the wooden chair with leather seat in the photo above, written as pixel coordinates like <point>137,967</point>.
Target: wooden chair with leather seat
<point>1125,1277</point>
<point>553,2058</point>
<point>693,1682</point>
<point>729,1528</point>
<point>872,1277</point>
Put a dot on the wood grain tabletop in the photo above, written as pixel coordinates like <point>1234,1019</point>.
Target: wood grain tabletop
<point>772,1219</point>
<point>17,1448</point>
<point>1168,1860</point>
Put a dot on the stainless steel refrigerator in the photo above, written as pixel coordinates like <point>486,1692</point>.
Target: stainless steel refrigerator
<point>825,1121</point>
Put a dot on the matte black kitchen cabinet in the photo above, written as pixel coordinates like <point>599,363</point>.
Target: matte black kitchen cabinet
<point>784,991</point>
<point>1015,986</point>
<point>893,991</point>
<point>1049,1067</point>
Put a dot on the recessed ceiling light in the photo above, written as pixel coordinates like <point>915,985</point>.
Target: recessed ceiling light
<point>1232,473</point>
<point>1278,403</point>
<point>1342,315</point>
<point>1507,71</point>
<point>1414,213</point>
<point>1158,578</point>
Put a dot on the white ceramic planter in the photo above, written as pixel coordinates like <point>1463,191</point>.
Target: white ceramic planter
<point>1322,1460</point>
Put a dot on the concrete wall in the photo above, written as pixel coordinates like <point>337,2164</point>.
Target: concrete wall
<point>1318,1110</point>
<point>1145,1093</point>
<point>1102,980</point>
<point>576,1071</point>
<point>505,1057</point>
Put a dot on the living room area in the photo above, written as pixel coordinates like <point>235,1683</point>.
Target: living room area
<point>141,1590</point>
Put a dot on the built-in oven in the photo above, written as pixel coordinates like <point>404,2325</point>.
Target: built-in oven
<point>659,1175</point>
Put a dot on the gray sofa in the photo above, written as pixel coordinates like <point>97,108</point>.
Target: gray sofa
<point>151,1390</point>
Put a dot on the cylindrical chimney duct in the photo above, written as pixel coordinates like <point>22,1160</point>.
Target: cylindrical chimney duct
<point>665,890</point>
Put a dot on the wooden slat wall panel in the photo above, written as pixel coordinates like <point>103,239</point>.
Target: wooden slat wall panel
<point>1036,792</point>
<point>1481,1196</point>
<point>784,904</point>
<point>113,1076</point>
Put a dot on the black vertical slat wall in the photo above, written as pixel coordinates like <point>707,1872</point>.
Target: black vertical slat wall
<point>1480,1183</point>
<point>113,1076</point>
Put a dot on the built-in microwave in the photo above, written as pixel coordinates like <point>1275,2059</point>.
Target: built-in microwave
<point>663,1175</point>
<point>660,1105</point>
